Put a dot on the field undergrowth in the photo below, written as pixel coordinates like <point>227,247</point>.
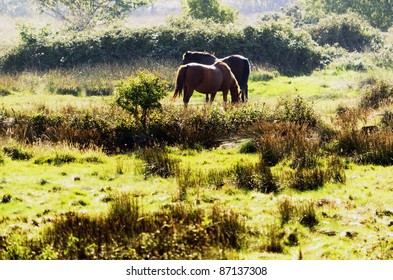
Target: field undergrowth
<point>303,171</point>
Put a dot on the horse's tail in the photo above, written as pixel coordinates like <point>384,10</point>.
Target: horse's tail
<point>246,72</point>
<point>181,74</point>
<point>243,83</point>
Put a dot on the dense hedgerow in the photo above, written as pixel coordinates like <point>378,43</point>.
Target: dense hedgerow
<point>271,43</point>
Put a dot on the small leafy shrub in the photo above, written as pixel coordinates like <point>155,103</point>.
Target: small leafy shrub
<point>352,61</point>
<point>298,111</point>
<point>349,31</point>
<point>141,95</point>
<point>248,147</point>
<point>17,153</point>
<point>210,9</point>
<point>384,56</point>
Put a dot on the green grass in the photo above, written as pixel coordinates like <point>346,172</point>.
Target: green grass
<point>326,89</point>
<point>353,218</point>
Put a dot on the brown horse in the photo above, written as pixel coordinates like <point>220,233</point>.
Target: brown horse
<point>239,65</point>
<point>206,79</point>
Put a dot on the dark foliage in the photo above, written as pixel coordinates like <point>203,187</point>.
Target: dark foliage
<point>16,153</point>
<point>349,31</point>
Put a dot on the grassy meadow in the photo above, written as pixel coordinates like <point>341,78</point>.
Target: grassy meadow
<point>304,170</point>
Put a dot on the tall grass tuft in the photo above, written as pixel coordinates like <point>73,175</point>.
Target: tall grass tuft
<point>280,140</point>
<point>301,211</point>
<point>158,162</point>
<point>256,177</point>
<point>307,179</point>
<point>378,95</point>
<point>225,228</point>
<point>336,170</point>
<point>274,239</point>
<point>387,119</point>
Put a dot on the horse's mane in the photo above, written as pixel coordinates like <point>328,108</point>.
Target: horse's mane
<point>219,62</point>
<point>204,54</point>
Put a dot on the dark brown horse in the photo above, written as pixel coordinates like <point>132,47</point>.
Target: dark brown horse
<point>206,79</point>
<point>240,67</point>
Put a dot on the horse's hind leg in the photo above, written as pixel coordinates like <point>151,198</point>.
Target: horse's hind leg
<point>212,96</point>
<point>244,89</point>
<point>225,95</point>
<point>207,98</point>
<point>187,95</point>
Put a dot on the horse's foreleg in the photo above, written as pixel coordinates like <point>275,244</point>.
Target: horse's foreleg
<point>207,98</point>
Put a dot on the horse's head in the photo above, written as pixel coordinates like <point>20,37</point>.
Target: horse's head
<point>199,57</point>
<point>235,91</point>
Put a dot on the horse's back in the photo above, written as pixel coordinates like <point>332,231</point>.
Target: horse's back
<point>204,78</point>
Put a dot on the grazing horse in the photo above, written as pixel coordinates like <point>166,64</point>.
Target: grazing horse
<point>240,67</point>
<point>206,79</point>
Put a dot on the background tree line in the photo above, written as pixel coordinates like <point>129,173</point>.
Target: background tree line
<point>87,13</point>
<point>206,25</point>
